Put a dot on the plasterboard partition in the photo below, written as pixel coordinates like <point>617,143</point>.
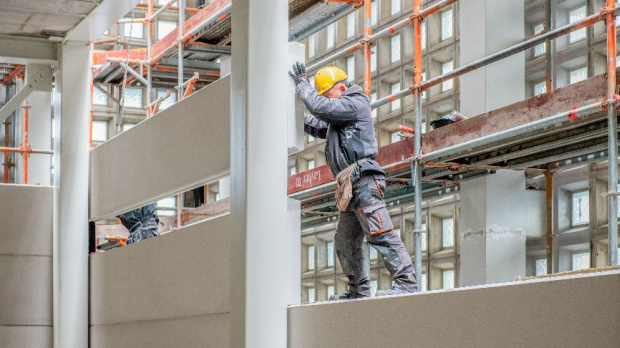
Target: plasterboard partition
<point>175,286</point>
<point>179,148</point>
<point>560,312</point>
<point>26,266</point>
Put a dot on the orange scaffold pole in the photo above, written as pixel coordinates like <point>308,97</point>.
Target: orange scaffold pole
<point>366,46</point>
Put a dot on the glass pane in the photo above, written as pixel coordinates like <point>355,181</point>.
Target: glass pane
<point>424,281</point>
<point>578,75</point>
<point>373,58</point>
<point>447,231</point>
<point>311,297</point>
<point>373,287</point>
<point>447,277</point>
<point>310,164</point>
<point>373,97</point>
<point>311,45</point>
<point>581,208</point>
<point>351,24</point>
<point>133,98</point>
<point>446,68</point>
<point>540,49</point>
<point>373,13</point>
<point>137,30</point>
<point>541,267</point>
<point>394,137</point>
<point>311,257</point>
<point>581,261</point>
<point>293,170</point>
<point>169,203</point>
<point>423,79</point>
<point>395,48</point>
<point>128,126</point>
<point>330,35</point>
<point>446,25</point>
<point>100,131</point>
<point>395,7</point>
<point>330,254</point>
<point>373,253</point>
<point>351,68</point>
<point>164,28</point>
<point>423,236</point>
<point>423,33</point>
<point>330,291</point>
<point>99,98</point>
<point>575,16</point>
<point>168,101</point>
<point>395,103</point>
<point>540,88</point>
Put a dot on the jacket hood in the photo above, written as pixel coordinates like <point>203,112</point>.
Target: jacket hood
<point>354,90</point>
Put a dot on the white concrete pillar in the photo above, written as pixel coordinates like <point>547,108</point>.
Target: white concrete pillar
<point>225,187</point>
<point>488,26</point>
<point>497,214</point>
<point>258,285</point>
<point>71,237</point>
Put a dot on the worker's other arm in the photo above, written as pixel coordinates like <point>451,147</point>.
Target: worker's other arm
<point>337,111</point>
<point>315,127</point>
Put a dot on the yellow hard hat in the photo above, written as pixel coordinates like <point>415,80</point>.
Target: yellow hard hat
<point>327,77</point>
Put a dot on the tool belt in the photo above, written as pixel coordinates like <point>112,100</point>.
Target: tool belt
<point>344,186</point>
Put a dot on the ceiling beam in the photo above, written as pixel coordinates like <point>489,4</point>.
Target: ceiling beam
<point>100,19</point>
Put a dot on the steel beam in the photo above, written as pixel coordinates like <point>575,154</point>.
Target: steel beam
<point>45,76</point>
<point>134,73</point>
<point>192,64</point>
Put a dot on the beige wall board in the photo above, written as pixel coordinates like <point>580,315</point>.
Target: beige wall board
<point>25,290</point>
<point>200,331</point>
<point>179,148</point>
<point>26,215</point>
<point>182,273</point>
<point>26,336</point>
<point>579,311</point>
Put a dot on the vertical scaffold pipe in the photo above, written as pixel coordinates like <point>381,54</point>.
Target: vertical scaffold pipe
<point>181,4</point>
<point>366,46</point>
<point>613,135</point>
<point>149,44</point>
<point>417,170</point>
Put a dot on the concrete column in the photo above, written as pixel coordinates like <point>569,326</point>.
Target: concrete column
<point>488,26</point>
<point>258,285</point>
<point>492,238</point>
<point>71,237</point>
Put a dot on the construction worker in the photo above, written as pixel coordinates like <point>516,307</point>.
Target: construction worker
<point>341,113</point>
<point>142,223</point>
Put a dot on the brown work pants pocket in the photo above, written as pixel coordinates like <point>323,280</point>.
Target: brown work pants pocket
<point>375,219</point>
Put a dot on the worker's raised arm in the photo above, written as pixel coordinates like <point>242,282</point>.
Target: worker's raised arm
<point>315,127</point>
<point>336,111</point>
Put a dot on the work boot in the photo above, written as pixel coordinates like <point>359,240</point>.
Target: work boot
<point>393,291</point>
<point>346,296</point>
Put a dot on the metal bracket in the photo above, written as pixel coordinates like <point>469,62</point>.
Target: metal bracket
<point>23,93</point>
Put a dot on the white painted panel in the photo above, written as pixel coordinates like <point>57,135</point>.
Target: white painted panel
<point>201,331</point>
<point>182,273</point>
<point>541,313</point>
<point>26,336</point>
<point>25,290</point>
<point>296,53</point>
<point>26,215</point>
<point>177,149</point>
<point>293,251</point>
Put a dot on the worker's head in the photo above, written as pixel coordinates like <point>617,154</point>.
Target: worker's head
<point>331,82</point>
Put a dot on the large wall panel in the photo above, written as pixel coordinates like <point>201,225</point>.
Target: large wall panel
<point>26,220</point>
<point>26,266</point>
<point>177,149</point>
<point>206,331</point>
<point>180,274</point>
<point>581,311</point>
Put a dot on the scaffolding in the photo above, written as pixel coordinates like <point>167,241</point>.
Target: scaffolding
<point>420,162</point>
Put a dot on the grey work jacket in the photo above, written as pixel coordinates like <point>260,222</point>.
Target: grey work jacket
<point>347,125</point>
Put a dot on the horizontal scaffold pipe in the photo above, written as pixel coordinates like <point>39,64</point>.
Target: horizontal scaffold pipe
<point>496,57</point>
<point>378,36</point>
<point>513,132</point>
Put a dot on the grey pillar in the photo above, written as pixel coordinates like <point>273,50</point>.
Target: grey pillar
<point>71,234</point>
<point>258,286</point>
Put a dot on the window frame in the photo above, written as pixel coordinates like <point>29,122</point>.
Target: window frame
<point>572,202</point>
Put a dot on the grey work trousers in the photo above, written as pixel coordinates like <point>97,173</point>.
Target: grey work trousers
<point>367,216</point>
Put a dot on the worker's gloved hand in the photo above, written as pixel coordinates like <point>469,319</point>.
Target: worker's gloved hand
<point>299,73</point>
